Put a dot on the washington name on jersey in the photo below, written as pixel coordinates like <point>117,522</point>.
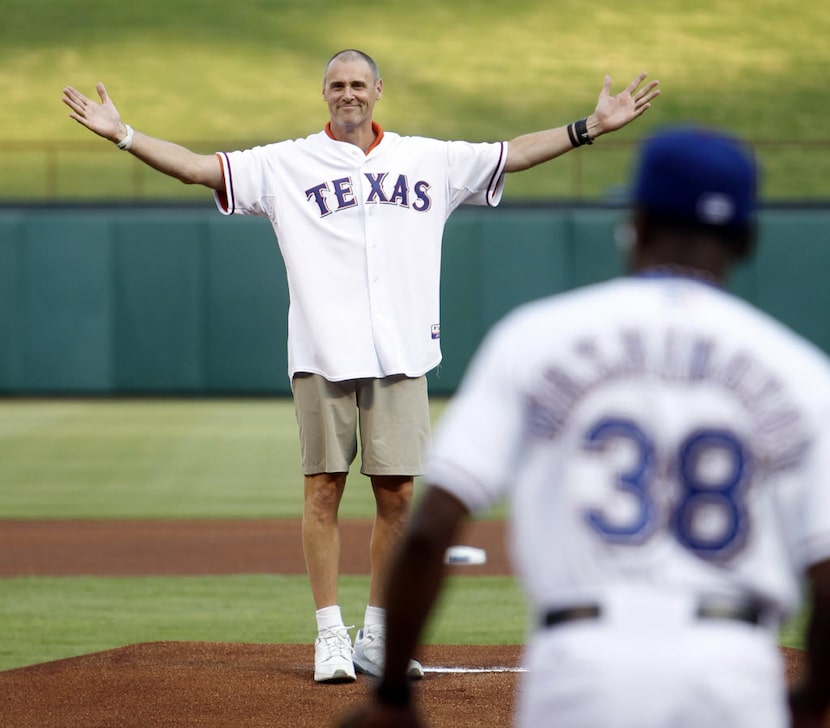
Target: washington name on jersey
<point>674,357</point>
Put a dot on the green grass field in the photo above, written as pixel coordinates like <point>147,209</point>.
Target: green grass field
<point>210,458</point>
<point>114,459</point>
<point>193,72</point>
<point>50,618</point>
<point>187,459</point>
<point>154,459</point>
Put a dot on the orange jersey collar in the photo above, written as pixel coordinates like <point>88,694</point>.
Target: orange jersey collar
<point>375,128</point>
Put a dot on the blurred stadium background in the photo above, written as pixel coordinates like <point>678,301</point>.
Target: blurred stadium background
<point>116,280</point>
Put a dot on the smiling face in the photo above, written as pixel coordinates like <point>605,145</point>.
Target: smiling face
<point>351,89</point>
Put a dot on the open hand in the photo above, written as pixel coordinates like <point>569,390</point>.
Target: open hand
<point>102,118</point>
<point>614,112</point>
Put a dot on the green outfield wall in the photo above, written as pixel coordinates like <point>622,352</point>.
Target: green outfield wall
<point>182,301</point>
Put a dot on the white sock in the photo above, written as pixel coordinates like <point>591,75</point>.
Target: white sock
<point>329,618</point>
<point>374,617</point>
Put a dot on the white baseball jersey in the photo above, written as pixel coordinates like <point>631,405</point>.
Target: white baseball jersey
<point>658,440</point>
<point>360,235</point>
<point>662,429</point>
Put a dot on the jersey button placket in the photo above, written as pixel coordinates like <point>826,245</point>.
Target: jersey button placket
<point>370,231</point>
<point>371,243</point>
<point>372,228</point>
<point>371,239</point>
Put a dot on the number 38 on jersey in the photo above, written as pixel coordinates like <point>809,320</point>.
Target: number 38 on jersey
<point>696,491</point>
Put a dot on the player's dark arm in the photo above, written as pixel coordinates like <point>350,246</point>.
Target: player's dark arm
<point>611,113</point>
<point>416,576</point>
<point>810,699</point>
<point>171,159</point>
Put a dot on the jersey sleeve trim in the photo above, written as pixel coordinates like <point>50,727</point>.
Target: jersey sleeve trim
<point>496,186</point>
<point>225,199</point>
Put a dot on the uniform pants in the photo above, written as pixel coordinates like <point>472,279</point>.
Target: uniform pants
<point>702,674</point>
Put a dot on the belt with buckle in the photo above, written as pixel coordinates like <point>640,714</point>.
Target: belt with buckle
<point>570,614</point>
<point>749,613</point>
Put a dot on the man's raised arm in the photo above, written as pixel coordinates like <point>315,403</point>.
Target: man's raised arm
<point>611,113</point>
<point>171,159</point>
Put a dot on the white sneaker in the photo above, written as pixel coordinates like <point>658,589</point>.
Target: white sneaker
<point>333,656</point>
<point>370,650</point>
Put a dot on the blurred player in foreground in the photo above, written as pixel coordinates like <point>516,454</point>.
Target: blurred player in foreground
<point>665,449</point>
<point>359,215</point>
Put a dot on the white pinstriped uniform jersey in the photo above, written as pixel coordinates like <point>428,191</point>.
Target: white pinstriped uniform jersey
<point>651,431</point>
<point>361,235</point>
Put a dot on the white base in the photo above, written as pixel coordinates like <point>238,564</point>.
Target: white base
<point>465,555</point>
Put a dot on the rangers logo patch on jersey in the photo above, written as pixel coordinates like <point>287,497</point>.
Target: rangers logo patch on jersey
<point>436,331</point>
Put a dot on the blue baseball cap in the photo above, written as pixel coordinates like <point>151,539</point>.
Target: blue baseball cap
<point>697,176</point>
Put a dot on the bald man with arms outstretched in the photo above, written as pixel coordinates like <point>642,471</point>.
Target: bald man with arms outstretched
<point>359,215</point>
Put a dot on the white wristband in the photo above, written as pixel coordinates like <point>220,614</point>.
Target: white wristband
<point>127,141</point>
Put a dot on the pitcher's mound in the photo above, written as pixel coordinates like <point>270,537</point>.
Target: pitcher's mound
<point>209,684</point>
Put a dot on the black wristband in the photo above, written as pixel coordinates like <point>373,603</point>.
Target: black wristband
<point>396,696</point>
<point>572,136</point>
<point>581,128</point>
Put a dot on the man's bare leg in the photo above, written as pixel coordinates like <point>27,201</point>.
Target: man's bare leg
<point>321,534</point>
<point>393,498</point>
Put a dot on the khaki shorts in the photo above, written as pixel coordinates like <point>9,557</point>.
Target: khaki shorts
<point>392,415</point>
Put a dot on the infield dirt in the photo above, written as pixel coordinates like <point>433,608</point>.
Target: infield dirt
<point>210,684</point>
